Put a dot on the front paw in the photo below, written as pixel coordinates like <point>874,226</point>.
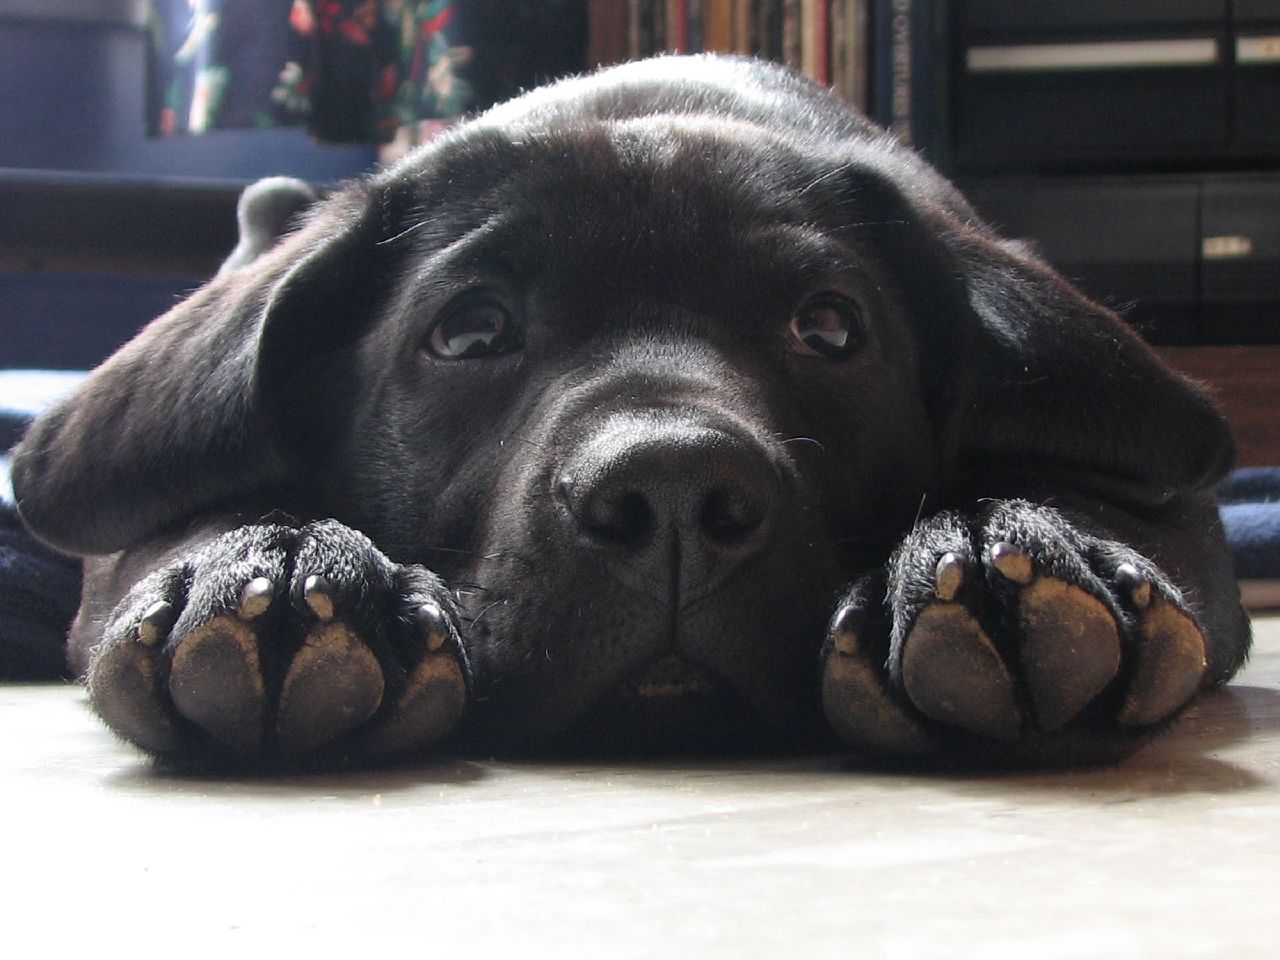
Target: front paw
<point>1012,635</point>
<point>272,640</point>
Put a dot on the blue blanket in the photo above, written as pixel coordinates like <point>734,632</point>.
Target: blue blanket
<point>1250,500</point>
<point>39,589</point>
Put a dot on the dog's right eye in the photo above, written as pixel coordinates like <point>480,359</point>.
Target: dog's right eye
<point>829,325</point>
<point>481,327</point>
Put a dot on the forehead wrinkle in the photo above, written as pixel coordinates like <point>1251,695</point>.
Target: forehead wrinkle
<point>628,183</point>
<point>450,263</point>
<point>656,195</point>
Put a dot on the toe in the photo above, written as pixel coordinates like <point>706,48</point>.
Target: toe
<point>1068,641</point>
<point>333,684</point>
<point>953,673</point>
<point>1070,649</point>
<point>215,681</point>
<point>858,703</point>
<point>425,710</point>
<point>1169,665</point>
<point>126,692</point>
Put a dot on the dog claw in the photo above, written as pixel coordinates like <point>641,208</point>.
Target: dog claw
<point>432,624</point>
<point>1012,562</point>
<point>949,576</point>
<point>255,598</point>
<point>845,633</point>
<point>317,594</point>
<point>156,623</point>
<point>1134,584</point>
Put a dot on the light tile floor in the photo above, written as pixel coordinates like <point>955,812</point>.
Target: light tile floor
<point>1175,853</point>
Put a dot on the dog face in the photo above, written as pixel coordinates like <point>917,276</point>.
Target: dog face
<point>648,367</point>
<point>599,319</point>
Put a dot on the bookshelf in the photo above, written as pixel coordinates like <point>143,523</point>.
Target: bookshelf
<point>828,40</point>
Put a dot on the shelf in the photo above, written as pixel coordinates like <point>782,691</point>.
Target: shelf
<point>77,221</point>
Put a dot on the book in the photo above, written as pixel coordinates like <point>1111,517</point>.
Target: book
<point>717,26</point>
<point>910,71</point>
<point>828,40</point>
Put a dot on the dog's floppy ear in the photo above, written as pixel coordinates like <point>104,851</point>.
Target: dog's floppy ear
<point>1026,376</point>
<point>175,422</point>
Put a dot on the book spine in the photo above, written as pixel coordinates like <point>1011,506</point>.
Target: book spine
<point>858,82</point>
<point>635,29</point>
<point>743,11</point>
<point>903,86</point>
<point>609,36</point>
<point>815,32</point>
<point>792,52</point>
<point>717,35</point>
<point>695,25</point>
<point>940,115</point>
<point>676,25</point>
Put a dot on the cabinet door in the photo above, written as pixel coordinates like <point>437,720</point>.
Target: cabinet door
<point>1240,270</point>
<point>1257,75</point>
<point>1091,82</point>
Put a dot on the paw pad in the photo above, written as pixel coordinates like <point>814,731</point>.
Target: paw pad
<point>203,653</point>
<point>1011,629</point>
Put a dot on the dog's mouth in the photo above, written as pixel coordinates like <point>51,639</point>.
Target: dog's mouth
<point>670,706</point>
<point>668,679</point>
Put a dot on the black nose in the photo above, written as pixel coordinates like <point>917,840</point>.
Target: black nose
<point>668,495</point>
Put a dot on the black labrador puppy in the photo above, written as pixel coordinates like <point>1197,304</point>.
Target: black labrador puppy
<point>672,406</point>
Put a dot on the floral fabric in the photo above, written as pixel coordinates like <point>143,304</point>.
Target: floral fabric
<point>352,71</point>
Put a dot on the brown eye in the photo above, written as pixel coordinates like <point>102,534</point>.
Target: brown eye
<point>829,325</point>
<point>481,327</point>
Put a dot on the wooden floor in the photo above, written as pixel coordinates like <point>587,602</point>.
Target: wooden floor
<point>1175,853</point>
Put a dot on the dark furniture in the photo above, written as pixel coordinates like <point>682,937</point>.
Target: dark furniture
<point>1138,145</point>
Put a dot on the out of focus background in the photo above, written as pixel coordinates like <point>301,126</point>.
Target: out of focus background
<point>1138,144</point>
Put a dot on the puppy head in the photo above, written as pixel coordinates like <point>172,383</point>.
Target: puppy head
<point>649,366</point>
<point>654,388</point>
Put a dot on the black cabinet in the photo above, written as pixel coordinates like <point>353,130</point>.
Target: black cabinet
<point>1115,84</point>
<point>1185,259</point>
<point>1138,145</point>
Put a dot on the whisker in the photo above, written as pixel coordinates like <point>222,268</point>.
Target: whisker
<point>834,172</point>
<point>477,618</point>
<point>525,440</point>
<point>402,233</point>
<point>496,555</point>
<point>816,443</point>
<point>920,509</point>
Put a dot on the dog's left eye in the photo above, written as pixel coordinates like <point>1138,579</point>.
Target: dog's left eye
<point>828,325</point>
<point>482,327</point>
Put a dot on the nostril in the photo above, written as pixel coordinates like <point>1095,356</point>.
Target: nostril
<point>610,513</point>
<point>622,517</point>
<point>730,516</point>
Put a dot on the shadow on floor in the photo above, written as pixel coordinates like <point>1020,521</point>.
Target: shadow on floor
<point>1185,760</point>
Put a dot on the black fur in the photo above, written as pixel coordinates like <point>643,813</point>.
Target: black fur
<point>651,506</point>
